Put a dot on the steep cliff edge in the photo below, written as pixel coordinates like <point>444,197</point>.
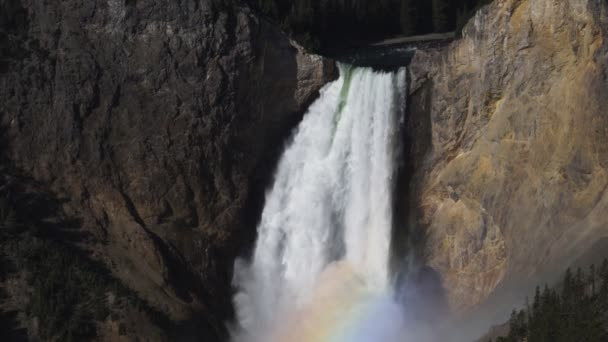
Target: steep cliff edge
<point>155,124</point>
<point>510,132</point>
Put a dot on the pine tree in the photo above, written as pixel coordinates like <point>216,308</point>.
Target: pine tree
<point>303,15</point>
<point>568,286</point>
<point>580,284</point>
<point>536,305</point>
<point>552,316</point>
<point>440,16</point>
<point>536,322</point>
<point>579,313</point>
<point>604,279</point>
<point>462,17</point>
<point>518,327</point>
<point>592,276</point>
<point>8,216</point>
<point>513,326</point>
<point>407,17</point>
<point>269,7</point>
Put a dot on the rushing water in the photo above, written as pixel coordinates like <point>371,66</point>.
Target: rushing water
<point>320,269</point>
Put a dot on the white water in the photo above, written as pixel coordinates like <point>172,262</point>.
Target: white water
<point>331,201</point>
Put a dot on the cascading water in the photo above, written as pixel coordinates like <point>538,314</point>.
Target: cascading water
<point>320,267</point>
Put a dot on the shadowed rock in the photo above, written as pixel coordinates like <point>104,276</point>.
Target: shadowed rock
<point>159,121</point>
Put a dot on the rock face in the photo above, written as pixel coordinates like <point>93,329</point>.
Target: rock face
<point>157,122</point>
<point>510,132</point>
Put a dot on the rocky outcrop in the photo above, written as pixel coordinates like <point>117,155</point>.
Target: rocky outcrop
<point>511,135</point>
<point>156,123</point>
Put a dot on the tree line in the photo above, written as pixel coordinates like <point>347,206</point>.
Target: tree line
<point>322,22</point>
<point>576,312</point>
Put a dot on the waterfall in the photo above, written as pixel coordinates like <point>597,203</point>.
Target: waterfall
<point>321,259</point>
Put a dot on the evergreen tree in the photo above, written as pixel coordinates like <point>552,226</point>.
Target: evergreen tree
<point>329,21</point>
<point>462,16</point>
<point>604,279</point>
<point>536,306</point>
<point>534,324</point>
<point>269,7</point>
<point>408,17</point>
<point>303,14</point>
<point>568,287</point>
<point>518,326</point>
<point>440,15</point>
<point>580,285</point>
<point>578,313</point>
<point>592,276</point>
<point>8,216</point>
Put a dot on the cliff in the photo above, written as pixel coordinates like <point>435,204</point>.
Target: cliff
<point>509,132</point>
<point>155,126</point>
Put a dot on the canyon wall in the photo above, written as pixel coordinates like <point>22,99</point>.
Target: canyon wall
<point>509,132</point>
<point>156,124</point>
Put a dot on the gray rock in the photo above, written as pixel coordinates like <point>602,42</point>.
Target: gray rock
<point>157,122</point>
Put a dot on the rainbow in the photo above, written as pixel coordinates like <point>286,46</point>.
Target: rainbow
<point>343,309</point>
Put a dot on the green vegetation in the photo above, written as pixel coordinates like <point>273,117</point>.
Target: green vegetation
<point>319,24</point>
<point>67,293</point>
<point>407,17</point>
<point>440,15</point>
<point>68,296</point>
<point>578,312</point>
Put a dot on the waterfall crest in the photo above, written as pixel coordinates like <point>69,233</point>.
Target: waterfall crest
<point>330,204</point>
